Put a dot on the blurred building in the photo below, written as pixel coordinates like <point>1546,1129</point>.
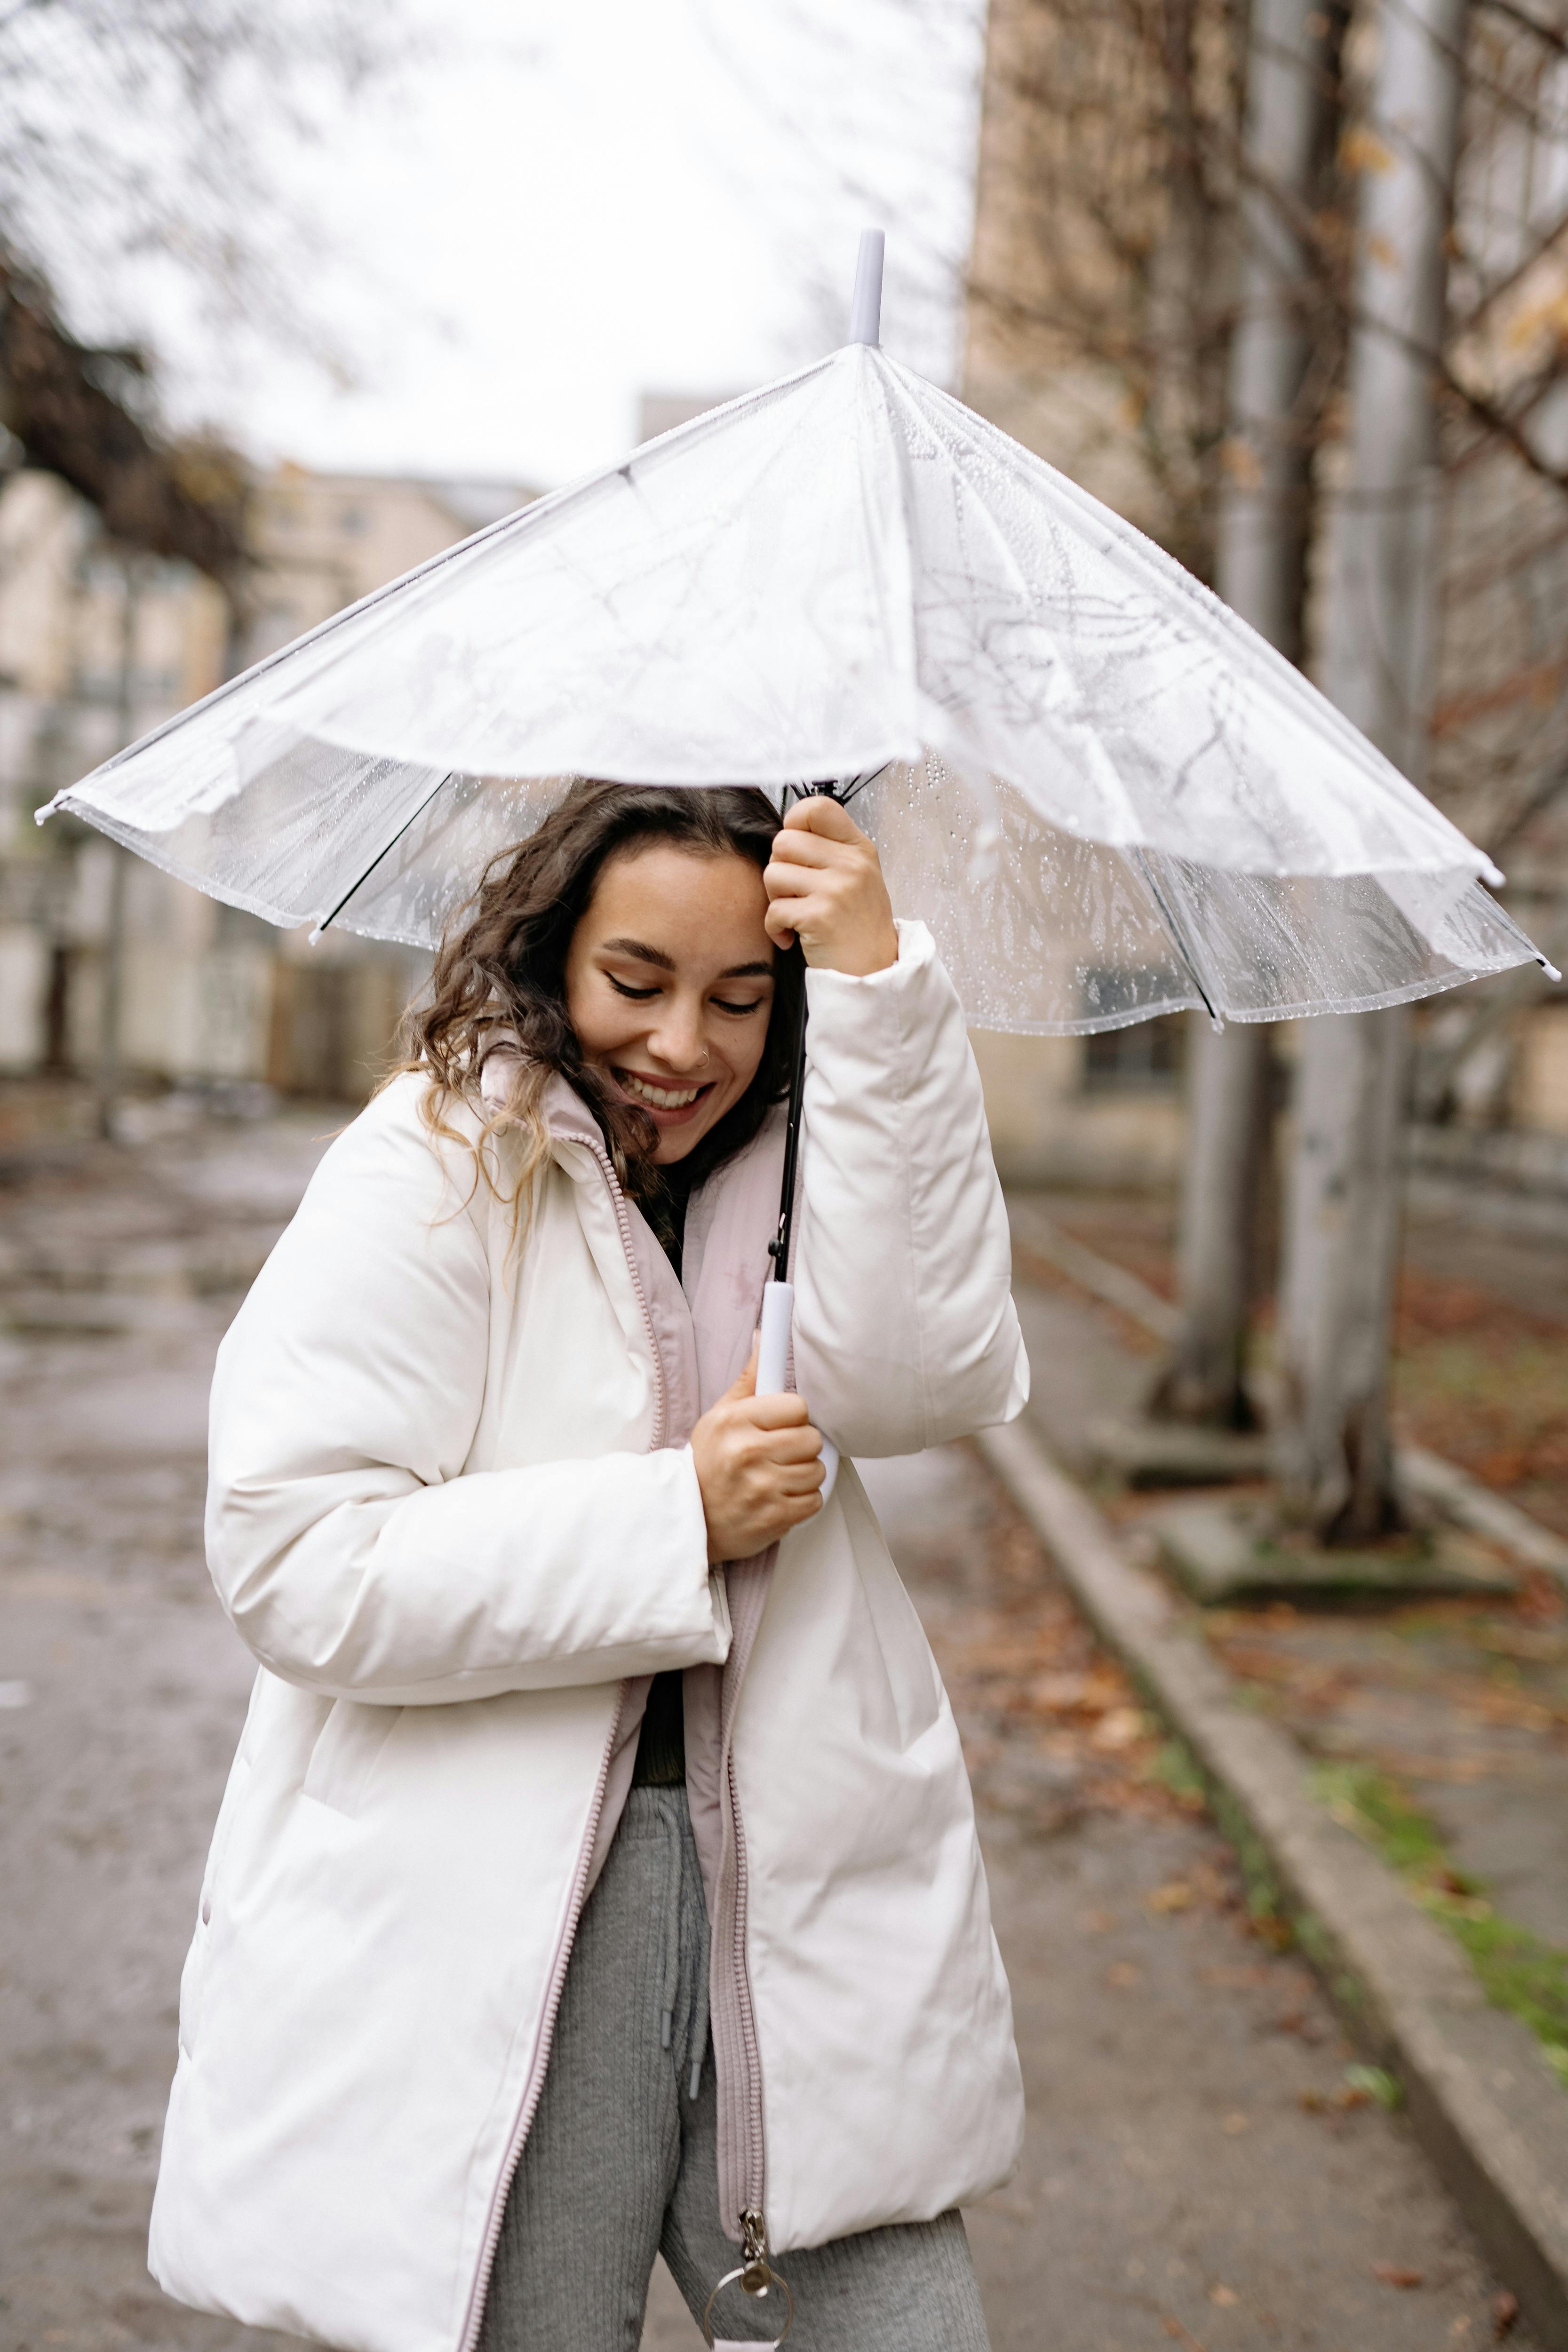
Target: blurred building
<point>661,412</point>
<point>99,643</point>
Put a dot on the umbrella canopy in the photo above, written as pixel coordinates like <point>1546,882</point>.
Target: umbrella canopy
<point>1109,797</point>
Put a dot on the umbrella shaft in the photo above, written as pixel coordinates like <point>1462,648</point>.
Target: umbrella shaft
<point>778,1249</point>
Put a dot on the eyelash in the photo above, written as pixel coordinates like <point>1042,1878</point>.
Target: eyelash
<point>641,995</point>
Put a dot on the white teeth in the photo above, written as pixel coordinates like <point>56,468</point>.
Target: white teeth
<point>661,1097</point>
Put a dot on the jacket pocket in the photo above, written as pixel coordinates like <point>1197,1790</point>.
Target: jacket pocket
<point>192,1977</point>
<point>345,1754</point>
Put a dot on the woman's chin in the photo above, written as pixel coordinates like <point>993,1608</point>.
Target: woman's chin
<point>679,1139</point>
<point>677,1144</point>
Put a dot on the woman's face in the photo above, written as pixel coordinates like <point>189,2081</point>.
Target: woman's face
<point>670,980</point>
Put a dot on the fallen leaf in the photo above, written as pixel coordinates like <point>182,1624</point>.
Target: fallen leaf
<point>1122,1728</point>
<point>1505,2312</point>
<point>1173,2327</point>
<point>1234,2125</point>
<point>1398,2274</point>
<point>1098,1923</point>
<point>1123,1973</point>
<point>1070,1694</point>
<point>1176,1894</point>
<point>1224,2296</point>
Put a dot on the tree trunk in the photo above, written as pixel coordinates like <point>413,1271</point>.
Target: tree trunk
<point>1341,1235</point>
<point>1261,571</point>
<point>1217,1261</point>
<point>112,1005</point>
<point>1332,1454</point>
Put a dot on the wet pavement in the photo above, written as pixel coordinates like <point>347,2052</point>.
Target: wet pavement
<point>1200,2170</point>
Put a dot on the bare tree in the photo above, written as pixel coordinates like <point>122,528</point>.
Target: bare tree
<point>1281,377</point>
<point>1116,165</point>
<point>1102,279</point>
<point>143,147</point>
<point>1343,1230</point>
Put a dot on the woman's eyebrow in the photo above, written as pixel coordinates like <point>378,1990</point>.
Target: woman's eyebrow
<point>640,952</point>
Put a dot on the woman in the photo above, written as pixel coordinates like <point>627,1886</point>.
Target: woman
<point>581,1721</point>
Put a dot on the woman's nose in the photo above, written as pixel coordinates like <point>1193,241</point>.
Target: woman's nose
<point>677,1039</point>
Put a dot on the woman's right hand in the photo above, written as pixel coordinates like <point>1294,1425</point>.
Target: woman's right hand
<point>759,1466</point>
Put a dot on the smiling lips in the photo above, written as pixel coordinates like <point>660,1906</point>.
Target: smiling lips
<point>667,1105</point>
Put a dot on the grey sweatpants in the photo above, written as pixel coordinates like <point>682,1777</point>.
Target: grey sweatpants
<point>621,2164</point>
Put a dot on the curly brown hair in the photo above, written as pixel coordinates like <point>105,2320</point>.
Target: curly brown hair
<point>502,967</point>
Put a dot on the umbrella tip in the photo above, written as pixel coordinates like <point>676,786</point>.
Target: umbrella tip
<point>865,309</point>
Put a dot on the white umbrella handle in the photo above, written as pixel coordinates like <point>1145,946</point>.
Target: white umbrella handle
<point>772,1361</point>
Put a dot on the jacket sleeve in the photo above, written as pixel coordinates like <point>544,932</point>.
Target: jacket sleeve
<point>905,1333</point>
<point>353,1551</point>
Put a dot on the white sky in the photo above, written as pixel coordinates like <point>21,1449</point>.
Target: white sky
<point>582,199</point>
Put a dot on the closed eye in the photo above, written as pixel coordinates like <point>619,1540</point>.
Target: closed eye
<point>755,1006</point>
<point>622,988</point>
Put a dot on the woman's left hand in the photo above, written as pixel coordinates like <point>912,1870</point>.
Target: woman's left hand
<point>824,887</point>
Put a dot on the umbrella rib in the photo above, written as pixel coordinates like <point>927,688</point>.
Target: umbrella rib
<point>385,851</point>
<point>1177,929</point>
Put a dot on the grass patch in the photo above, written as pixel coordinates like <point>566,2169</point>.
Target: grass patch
<point>1174,1767</point>
<point>1519,1971</point>
<point>1375,2083</point>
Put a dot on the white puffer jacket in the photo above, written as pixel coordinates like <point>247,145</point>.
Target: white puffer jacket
<point>454,1513</point>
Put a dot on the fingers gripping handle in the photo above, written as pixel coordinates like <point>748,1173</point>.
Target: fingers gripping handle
<point>772,1361</point>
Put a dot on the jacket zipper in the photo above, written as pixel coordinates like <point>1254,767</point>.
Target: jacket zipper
<point>749,2214</point>
<point>743,2153</point>
<point>532,2089</point>
<point>534,2086</point>
<point>745,2055</point>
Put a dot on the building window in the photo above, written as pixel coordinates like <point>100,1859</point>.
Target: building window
<point>1144,1059</point>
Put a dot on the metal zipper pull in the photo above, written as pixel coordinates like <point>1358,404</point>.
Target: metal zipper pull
<point>754,2274</point>
<point>756,2277</point>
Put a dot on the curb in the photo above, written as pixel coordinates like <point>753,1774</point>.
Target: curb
<point>1480,2101</point>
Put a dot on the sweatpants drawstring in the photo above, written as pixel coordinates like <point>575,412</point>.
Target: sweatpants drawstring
<point>698,2044</point>
<point>672,1822</point>
<point>672,1923</point>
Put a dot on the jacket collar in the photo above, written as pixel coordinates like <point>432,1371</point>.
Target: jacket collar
<point>567,1116</point>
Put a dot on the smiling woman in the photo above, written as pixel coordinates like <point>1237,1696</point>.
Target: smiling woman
<point>602,1716</point>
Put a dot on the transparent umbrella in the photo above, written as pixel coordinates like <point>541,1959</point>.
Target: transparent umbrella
<point>1107,796</point>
